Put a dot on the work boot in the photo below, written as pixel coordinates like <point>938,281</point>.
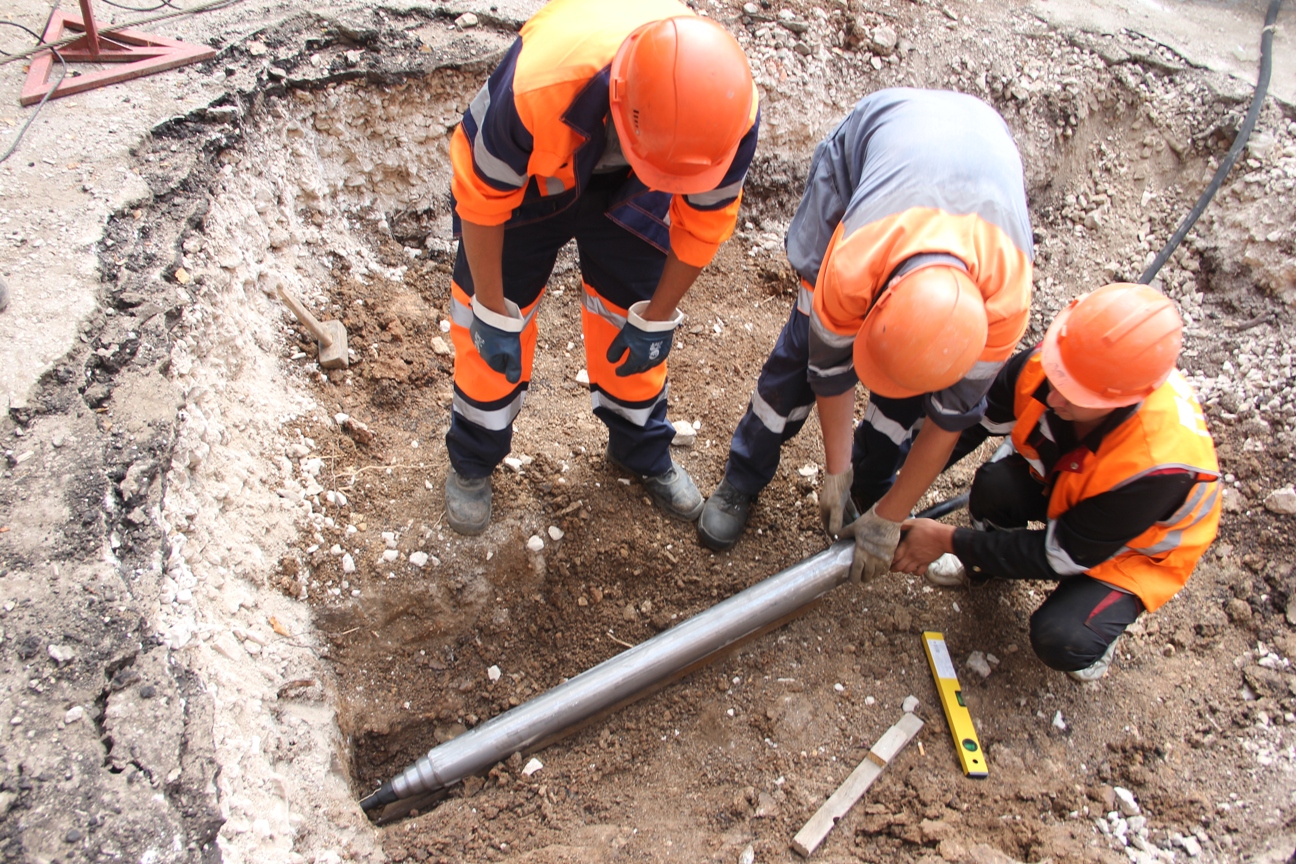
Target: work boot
<point>468,503</point>
<point>1099,667</point>
<point>673,491</point>
<point>947,572</point>
<point>724,517</point>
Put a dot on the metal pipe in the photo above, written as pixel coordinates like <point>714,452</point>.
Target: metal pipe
<point>620,679</point>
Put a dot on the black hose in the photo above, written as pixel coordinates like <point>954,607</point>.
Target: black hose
<point>1244,133</point>
<point>941,508</point>
<point>384,795</point>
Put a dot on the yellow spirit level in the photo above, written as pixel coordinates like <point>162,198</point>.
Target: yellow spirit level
<point>969,749</point>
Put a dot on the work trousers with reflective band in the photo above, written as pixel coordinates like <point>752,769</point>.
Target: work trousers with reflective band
<point>618,269</point>
<point>782,403</point>
<point>1076,623</point>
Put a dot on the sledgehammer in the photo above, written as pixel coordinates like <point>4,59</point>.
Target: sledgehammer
<point>331,335</point>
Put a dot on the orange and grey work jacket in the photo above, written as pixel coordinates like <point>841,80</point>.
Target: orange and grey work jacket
<point>1166,433</point>
<point>915,175</point>
<point>540,128</point>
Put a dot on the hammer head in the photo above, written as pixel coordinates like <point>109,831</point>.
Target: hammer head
<point>334,354</point>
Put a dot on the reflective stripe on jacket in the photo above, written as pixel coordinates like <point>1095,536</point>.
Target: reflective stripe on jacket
<point>531,138</point>
<point>1167,432</point>
<point>914,172</point>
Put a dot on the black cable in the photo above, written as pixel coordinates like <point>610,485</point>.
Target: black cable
<point>164,4</point>
<point>44,99</point>
<point>1253,114</point>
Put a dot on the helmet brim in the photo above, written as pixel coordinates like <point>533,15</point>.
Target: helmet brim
<point>874,379</point>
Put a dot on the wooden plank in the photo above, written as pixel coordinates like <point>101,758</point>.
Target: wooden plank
<point>892,742</point>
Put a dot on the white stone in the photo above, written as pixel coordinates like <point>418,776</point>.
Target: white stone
<point>748,855</point>
<point>977,662</point>
<point>808,470</point>
<point>1281,501</point>
<point>513,462</point>
<point>61,654</point>
<point>418,559</point>
<point>390,555</point>
<point>582,377</point>
<point>73,715</point>
<point>348,563</point>
<point>1125,802</point>
<point>910,704</point>
<point>556,533</point>
<point>535,543</point>
<point>1058,723</point>
<point>1190,845</point>
<point>389,539</point>
<point>685,434</point>
<point>466,20</point>
<point>532,767</point>
<point>493,673</point>
<point>439,346</point>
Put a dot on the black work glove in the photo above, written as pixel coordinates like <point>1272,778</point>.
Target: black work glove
<point>648,342</point>
<point>497,338</point>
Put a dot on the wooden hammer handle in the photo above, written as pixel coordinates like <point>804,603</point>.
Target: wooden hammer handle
<point>305,317</point>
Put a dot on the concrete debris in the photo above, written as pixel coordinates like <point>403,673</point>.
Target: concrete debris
<point>910,704</point>
<point>440,347</point>
<point>685,434</point>
<point>466,20</point>
<point>61,654</point>
<point>493,673</point>
<point>418,559</point>
<point>535,543</point>
<point>555,533</point>
<point>977,662</point>
<point>532,767</point>
<point>1281,501</point>
<point>1125,802</point>
<point>582,377</point>
<point>73,715</point>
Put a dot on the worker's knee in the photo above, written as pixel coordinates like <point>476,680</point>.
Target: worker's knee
<point>1062,641</point>
<point>1006,495</point>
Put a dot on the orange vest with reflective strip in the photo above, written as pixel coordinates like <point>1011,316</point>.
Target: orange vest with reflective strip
<point>1167,432</point>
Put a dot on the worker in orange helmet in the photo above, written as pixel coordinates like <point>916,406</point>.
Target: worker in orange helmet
<point>913,245</point>
<point>629,127</point>
<point>1112,453</point>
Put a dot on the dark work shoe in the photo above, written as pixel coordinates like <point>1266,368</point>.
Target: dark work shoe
<point>724,517</point>
<point>673,491</point>
<point>468,503</point>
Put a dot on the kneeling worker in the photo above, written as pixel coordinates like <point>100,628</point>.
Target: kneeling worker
<point>1113,454</point>
<point>913,244</point>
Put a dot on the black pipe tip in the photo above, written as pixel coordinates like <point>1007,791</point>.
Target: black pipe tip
<point>385,795</point>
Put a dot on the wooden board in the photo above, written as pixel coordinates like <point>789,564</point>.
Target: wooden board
<point>892,742</point>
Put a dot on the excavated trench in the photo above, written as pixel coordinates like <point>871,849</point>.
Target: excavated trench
<point>303,512</point>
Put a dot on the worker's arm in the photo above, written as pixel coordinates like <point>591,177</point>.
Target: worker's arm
<point>484,247</point>
<point>676,279</point>
<point>927,458</point>
<point>836,419</point>
<point>1080,539</point>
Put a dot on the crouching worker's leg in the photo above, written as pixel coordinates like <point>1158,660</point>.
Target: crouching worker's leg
<point>1076,628</point>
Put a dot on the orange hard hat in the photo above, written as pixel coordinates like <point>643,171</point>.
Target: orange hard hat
<point>1112,347</point>
<point>681,93</point>
<point>923,334</point>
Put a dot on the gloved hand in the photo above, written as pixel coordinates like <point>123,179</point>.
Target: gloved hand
<point>497,338</point>
<point>836,508</point>
<point>647,341</point>
<point>876,540</point>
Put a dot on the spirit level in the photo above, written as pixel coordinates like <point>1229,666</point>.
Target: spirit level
<point>966,743</point>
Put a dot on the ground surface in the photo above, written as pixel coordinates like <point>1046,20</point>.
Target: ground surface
<point>176,543</point>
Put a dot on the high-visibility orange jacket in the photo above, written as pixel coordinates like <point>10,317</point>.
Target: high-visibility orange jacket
<point>1166,433</point>
<point>912,175</point>
<point>540,128</point>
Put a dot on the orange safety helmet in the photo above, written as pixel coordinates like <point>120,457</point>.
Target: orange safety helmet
<point>923,334</point>
<point>1112,347</point>
<point>681,93</point>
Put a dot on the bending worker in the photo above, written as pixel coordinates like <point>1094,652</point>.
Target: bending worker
<point>913,245</point>
<point>628,126</point>
<point>1113,454</point>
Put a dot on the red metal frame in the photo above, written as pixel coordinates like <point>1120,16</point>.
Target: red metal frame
<point>138,53</point>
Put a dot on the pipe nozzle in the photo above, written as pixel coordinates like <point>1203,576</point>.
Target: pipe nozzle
<point>384,796</point>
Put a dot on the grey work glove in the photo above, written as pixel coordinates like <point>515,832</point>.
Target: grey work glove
<point>835,505</point>
<point>876,540</point>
